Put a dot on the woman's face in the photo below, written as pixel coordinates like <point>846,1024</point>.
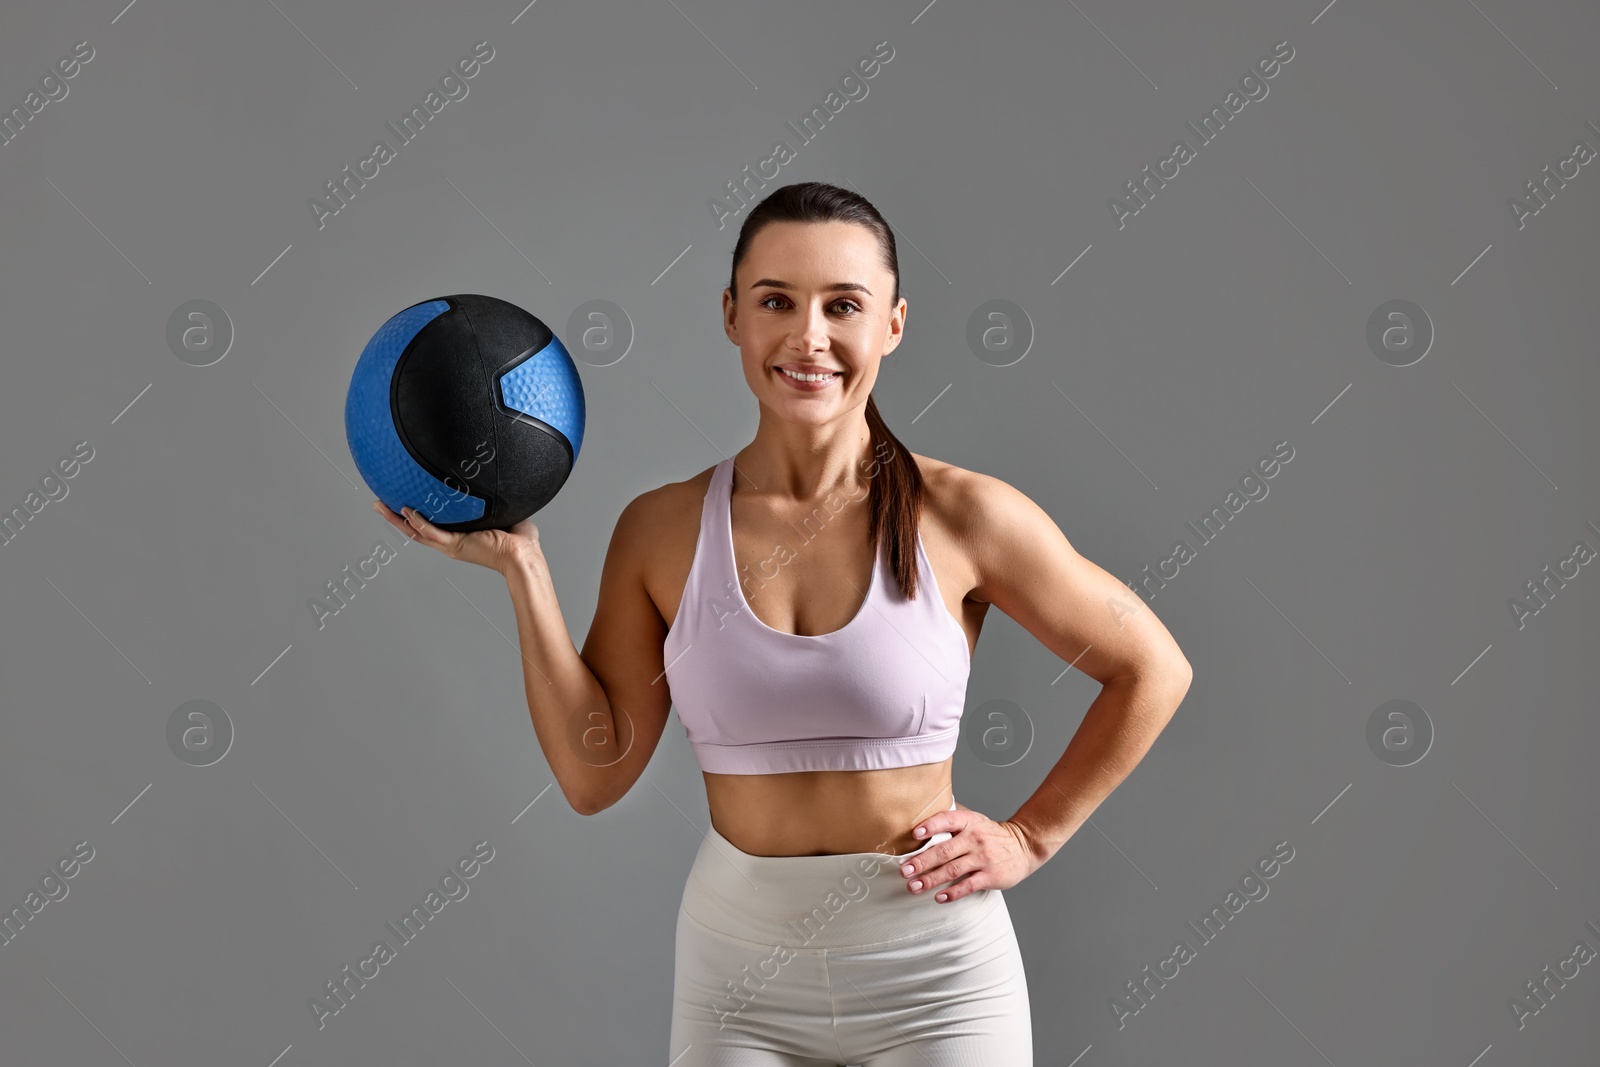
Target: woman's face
<point>814,298</point>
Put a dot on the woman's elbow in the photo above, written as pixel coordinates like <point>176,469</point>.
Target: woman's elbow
<point>599,799</point>
<point>1165,660</point>
<point>587,804</point>
<point>1168,670</point>
<point>1175,668</point>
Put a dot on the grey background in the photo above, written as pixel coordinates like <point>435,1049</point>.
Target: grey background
<point>1228,315</point>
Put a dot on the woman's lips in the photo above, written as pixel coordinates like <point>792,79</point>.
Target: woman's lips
<point>806,387</point>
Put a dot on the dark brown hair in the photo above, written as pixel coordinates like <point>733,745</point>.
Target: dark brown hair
<point>896,492</point>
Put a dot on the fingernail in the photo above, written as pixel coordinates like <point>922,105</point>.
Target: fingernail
<point>942,897</point>
<point>907,869</point>
<point>917,884</point>
<point>919,831</point>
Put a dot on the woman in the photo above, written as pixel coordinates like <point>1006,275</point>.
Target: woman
<point>817,651</point>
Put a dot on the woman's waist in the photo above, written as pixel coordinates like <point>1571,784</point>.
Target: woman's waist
<point>808,814</point>
<point>843,901</point>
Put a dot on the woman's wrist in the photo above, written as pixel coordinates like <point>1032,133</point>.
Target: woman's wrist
<point>524,564</point>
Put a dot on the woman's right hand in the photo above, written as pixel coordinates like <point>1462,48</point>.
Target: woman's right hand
<point>499,550</point>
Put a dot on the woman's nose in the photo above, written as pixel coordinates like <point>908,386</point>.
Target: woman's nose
<point>811,333</point>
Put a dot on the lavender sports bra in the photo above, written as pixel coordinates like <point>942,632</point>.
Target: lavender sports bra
<point>885,690</point>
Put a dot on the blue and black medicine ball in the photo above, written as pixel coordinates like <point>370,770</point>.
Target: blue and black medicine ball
<point>466,408</point>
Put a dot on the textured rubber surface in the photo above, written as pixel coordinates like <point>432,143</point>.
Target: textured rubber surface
<point>545,386</point>
<point>387,467</point>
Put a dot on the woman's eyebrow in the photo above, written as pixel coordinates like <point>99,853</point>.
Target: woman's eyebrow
<point>837,287</point>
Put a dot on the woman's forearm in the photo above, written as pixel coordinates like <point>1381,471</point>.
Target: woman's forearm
<point>570,711</point>
<point>1117,730</point>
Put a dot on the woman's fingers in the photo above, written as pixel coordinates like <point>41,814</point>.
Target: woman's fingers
<point>969,884</point>
<point>487,548</point>
<point>956,878</point>
<point>392,519</point>
<point>982,855</point>
<point>926,868</point>
<point>940,871</point>
<point>411,523</point>
<point>445,541</point>
<point>414,519</point>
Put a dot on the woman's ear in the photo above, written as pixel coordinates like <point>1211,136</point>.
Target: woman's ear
<point>729,317</point>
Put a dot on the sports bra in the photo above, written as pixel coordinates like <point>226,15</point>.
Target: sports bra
<point>885,690</point>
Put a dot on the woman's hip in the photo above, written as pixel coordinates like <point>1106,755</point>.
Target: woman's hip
<point>842,902</point>
<point>944,980</point>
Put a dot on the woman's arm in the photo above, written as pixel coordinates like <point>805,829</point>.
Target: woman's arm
<point>1027,569</point>
<point>598,715</point>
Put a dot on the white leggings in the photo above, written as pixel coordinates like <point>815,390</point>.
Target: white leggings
<point>828,960</point>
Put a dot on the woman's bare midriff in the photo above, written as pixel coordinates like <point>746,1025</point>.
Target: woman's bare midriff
<point>816,813</point>
<point>824,813</point>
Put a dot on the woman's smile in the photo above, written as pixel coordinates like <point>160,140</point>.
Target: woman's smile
<point>806,377</point>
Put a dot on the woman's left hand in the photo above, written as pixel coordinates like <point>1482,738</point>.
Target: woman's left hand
<point>981,854</point>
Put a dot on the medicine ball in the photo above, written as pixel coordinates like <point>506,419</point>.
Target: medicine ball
<point>466,408</point>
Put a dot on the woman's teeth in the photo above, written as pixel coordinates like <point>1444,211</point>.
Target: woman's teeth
<point>809,377</point>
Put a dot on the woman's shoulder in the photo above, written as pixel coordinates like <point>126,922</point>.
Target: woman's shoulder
<point>957,496</point>
<point>979,510</point>
<point>994,531</point>
<point>656,535</point>
<point>664,511</point>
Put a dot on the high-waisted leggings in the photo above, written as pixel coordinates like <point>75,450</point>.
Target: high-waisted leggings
<point>827,960</point>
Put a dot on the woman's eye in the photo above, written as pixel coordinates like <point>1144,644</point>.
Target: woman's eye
<point>846,305</point>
